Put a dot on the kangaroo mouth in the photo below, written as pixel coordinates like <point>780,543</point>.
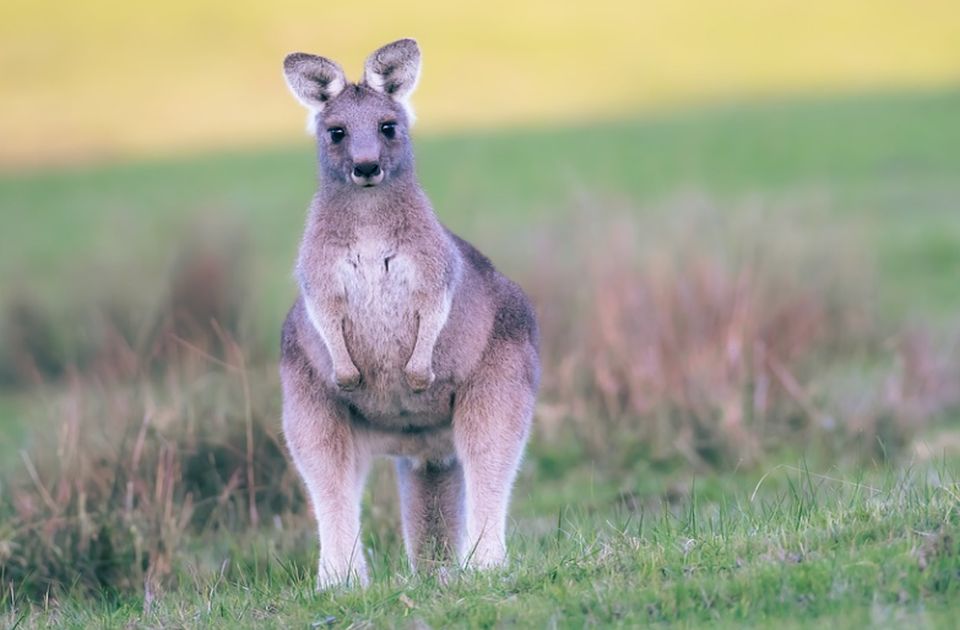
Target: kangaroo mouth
<point>367,182</point>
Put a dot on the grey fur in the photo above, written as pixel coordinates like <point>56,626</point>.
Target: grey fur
<point>405,341</point>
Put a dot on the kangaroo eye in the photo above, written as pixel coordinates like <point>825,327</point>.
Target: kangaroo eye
<point>389,129</point>
<point>336,134</point>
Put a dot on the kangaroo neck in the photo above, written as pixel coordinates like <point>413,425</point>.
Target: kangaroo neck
<point>393,202</point>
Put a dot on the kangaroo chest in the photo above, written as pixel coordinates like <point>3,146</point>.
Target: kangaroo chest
<point>378,279</point>
<point>380,324</point>
<point>380,330</point>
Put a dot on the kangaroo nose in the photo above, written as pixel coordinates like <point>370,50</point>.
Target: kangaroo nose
<point>366,169</point>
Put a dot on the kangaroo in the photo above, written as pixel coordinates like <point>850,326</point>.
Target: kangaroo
<point>404,340</point>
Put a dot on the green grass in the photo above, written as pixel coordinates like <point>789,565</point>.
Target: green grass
<point>788,547</point>
<point>604,542</point>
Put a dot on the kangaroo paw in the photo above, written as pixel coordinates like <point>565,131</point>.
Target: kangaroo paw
<point>419,379</point>
<point>347,379</point>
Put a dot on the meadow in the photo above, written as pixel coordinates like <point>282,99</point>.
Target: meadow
<point>751,378</point>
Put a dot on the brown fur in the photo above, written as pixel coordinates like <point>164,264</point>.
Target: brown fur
<point>404,342</point>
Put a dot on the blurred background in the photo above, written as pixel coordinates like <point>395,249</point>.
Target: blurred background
<point>739,221</point>
<point>109,80</point>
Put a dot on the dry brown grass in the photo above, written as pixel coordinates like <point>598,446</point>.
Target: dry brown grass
<point>114,327</point>
<point>716,341</point>
<point>155,430</point>
<point>124,469</point>
<point>693,344</point>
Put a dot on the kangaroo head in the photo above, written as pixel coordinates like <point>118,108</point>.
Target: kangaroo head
<point>362,129</point>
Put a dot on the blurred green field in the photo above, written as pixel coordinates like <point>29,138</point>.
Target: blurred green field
<point>887,164</point>
<point>617,539</point>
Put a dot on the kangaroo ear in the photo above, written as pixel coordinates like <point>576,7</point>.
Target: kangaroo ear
<point>313,80</point>
<point>394,70</point>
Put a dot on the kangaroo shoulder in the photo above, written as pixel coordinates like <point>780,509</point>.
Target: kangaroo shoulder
<point>472,256</point>
<point>513,318</point>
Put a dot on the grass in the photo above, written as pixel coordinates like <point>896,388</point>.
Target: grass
<point>790,547</point>
<point>823,231</point>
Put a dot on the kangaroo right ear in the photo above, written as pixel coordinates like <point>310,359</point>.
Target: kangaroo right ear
<point>313,80</point>
<point>394,70</point>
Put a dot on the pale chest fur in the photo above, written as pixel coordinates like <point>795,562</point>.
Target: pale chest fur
<point>378,278</point>
<point>380,329</point>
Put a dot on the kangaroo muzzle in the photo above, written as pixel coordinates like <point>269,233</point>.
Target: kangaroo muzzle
<point>367,174</point>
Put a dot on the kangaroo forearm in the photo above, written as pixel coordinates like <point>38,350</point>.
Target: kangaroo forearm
<point>432,321</point>
<point>328,322</point>
<point>419,369</point>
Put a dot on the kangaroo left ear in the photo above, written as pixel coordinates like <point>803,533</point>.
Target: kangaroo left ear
<point>314,81</point>
<point>394,71</point>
